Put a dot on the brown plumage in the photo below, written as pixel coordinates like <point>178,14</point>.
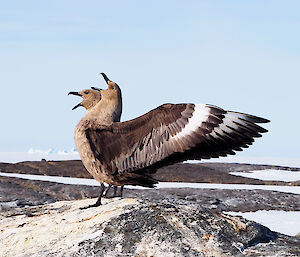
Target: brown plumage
<point>127,153</point>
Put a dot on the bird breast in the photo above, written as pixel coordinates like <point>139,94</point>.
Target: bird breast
<point>92,164</point>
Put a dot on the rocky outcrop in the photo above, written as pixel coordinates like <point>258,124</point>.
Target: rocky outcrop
<point>181,172</point>
<point>36,219</point>
<point>133,227</point>
<point>15,192</point>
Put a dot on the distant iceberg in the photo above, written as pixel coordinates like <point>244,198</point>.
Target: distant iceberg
<point>37,154</point>
<point>72,151</point>
<point>52,151</point>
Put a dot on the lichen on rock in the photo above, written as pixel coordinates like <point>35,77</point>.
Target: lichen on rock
<point>132,227</point>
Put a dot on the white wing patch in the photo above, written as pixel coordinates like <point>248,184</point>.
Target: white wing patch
<point>227,121</point>
<point>200,114</point>
<point>231,125</point>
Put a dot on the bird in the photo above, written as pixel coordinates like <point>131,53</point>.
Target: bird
<point>92,97</point>
<point>130,152</point>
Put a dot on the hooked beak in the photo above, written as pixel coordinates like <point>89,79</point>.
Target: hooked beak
<point>96,88</point>
<point>105,77</point>
<point>75,93</point>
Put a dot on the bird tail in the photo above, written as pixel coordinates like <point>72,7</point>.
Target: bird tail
<point>135,179</point>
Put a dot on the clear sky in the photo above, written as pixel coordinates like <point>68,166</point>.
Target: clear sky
<point>240,55</point>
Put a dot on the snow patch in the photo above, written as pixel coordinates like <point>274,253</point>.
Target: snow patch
<point>284,161</point>
<point>285,222</point>
<point>92,182</point>
<point>270,175</point>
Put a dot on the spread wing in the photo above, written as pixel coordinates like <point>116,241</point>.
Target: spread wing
<point>172,133</point>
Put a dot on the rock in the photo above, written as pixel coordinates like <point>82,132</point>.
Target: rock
<point>34,221</point>
<point>20,192</point>
<point>132,227</point>
<point>8,205</point>
<point>184,172</point>
<point>34,192</point>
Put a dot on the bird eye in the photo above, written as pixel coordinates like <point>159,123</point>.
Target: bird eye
<point>86,92</point>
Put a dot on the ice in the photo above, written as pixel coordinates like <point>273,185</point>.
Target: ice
<point>92,182</point>
<point>280,221</point>
<point>270,175</point>
<point>285,222</point>
<point>279,161</point>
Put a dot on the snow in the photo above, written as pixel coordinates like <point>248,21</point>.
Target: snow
<point>284,189</point>
<point>92,182</point>
<point>279,221</point>
<point>63,180</point>
<point>285,222</point>
<point>270,175</point>
<point>289,162</point>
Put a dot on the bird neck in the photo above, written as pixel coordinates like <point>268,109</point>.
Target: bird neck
<point>106,111</point>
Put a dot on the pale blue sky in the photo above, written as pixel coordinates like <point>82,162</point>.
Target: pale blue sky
<point>239,55</point>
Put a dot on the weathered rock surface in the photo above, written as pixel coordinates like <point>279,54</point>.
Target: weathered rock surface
<point>131,227</point>
<point>35,219</point>
<point>19,192</point>
<point>181,172</point>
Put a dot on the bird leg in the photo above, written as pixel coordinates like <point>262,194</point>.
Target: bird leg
<point>121,191</point>
<point>106,191</point>
<point>98,203</point>
<point>115,192</point>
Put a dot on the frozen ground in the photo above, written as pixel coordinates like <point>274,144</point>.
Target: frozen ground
<point>92,182</point>
<point>285,222</point>
<point>280,221</point>
<point>289,162</point>
<point>270,175</point>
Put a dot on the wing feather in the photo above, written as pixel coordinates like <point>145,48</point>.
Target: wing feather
<point>173,133</point>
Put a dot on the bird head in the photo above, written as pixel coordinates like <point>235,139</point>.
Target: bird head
<point>113,91</point>
<point>109,99</point>
<point>90,98</point>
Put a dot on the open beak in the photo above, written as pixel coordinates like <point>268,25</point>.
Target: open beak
<point>76,106</point>
<point>105,77</point>
<point>75,93</point>
<point>96,88</point>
